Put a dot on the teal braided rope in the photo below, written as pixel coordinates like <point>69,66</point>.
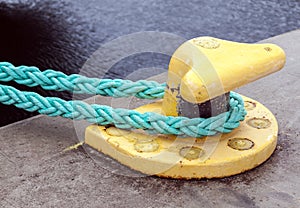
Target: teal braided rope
<point>54,80</point>
<point>122,118</point>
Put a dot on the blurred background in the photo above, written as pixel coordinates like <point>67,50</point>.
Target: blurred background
<point>62,34</point>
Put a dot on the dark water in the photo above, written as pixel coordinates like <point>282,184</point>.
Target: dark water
<point>62,34</point>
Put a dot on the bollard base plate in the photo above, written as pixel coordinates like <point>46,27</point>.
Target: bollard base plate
<point>209,157</point>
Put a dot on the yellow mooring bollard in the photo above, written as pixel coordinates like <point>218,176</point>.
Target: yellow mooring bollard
<point>201,73</point>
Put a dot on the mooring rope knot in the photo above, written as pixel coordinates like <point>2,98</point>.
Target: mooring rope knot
<point>103,115</point>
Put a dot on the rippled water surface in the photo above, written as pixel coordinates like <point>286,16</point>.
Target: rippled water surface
<point>62,34</point>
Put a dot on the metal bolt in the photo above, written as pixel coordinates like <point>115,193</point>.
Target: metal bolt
<point>207,42</point>
<point>240,143</point>
<point>143,139</point>
<point>191,153</point>
<point>249,105</point>
<point>146,146</point>
<point>259,123</point>
<point>113,131</point>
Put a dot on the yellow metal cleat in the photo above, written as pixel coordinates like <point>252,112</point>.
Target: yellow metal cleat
<point>201,73</point>
<point>204,68</point>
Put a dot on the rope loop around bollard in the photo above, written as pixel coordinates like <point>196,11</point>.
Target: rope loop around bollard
<point>104,115</point>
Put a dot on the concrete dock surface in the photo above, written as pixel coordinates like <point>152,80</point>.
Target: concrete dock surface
<point>36,172</point>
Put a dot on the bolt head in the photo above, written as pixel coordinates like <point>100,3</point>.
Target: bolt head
<point>240,143</point>
<point>146,146</point>
<point>249,105</point>
<point>206,42</point>
<point>259,123</point>
<point>113,131</point>
<point>191,153</point>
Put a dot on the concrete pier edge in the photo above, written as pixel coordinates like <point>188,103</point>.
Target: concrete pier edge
<point>35,172</point>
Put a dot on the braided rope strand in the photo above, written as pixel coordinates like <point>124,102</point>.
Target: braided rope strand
<point>54,80</point>
<point>103,115</point>
<point>126,119</point>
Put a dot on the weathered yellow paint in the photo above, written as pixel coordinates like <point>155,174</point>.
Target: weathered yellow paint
<point>211,157</point>
<point>201,69</point>
<point>205,67</point>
